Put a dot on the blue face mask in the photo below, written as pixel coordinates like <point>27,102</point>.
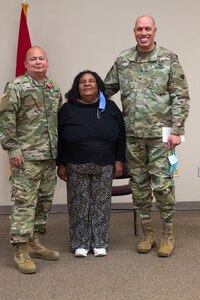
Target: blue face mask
<point>102,105</point>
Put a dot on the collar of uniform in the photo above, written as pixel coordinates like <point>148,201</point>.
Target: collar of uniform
<point>152,56</point>
<point>37,83</point>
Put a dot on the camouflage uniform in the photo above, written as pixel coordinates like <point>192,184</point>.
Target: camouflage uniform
<point>28,127</point>
<point>154,94</point>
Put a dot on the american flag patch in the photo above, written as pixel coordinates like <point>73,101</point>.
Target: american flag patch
<point>4,94</point>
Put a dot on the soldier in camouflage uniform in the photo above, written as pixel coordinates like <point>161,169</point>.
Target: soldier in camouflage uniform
<point>154,94</point>
<point>28,132</point>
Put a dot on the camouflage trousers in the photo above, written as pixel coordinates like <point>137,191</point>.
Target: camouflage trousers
<point>33,188</point>
<point>89,200</point>
<point>149,167</point>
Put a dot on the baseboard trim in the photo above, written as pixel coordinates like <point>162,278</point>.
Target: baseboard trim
<point>62,208</point>
<point>193,205</point>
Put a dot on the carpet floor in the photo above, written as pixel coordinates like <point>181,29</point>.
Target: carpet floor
<point>122,274</point>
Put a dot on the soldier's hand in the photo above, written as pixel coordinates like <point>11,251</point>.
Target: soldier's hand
<point>173,141</point>
<point>17,161</point>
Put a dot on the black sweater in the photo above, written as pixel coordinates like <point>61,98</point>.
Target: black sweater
<point>83,138</point>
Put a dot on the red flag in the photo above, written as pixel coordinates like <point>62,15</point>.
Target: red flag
<point>24,42</point>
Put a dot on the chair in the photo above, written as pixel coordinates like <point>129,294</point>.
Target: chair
<point>124,189</point>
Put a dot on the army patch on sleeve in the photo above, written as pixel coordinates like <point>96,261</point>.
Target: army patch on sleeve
<point>5,90</point>
<point>4,95</point>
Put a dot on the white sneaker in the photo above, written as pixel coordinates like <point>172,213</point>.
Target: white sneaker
<point>100,252</point>
<point>81,252</point>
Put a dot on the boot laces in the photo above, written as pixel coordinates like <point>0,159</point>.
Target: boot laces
<point>146,231</point>
<point>166,235</point>
<point>23,252</point>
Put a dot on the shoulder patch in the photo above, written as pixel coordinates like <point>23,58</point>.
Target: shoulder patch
<point>4,95</point>
<point>5,90</point>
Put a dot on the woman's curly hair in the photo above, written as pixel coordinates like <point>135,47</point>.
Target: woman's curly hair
<point>73,94</point>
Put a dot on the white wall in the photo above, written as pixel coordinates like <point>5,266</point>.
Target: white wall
<point>90,34</point>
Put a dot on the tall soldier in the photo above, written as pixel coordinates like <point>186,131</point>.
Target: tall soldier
<point>28,132</point>
<point>154,95</point>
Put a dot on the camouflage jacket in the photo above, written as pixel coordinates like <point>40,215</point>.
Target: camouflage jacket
<point>154,91</point>
<point>28,118</point>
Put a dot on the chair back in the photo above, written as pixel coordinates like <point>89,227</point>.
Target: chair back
<point>123,189</point>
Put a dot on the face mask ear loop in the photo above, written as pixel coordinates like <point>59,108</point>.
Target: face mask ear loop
<point>102,105</point>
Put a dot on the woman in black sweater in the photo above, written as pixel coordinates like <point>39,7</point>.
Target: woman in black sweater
<point>91,149</point>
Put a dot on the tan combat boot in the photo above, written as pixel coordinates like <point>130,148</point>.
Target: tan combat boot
<point>23,260</point>
<point>149,240</point>
<point>37,250</point>
<point>167,241</point>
